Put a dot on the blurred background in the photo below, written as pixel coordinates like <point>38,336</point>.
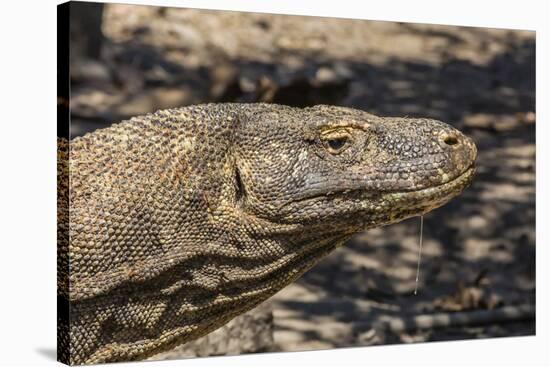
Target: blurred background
<point>477,277</point>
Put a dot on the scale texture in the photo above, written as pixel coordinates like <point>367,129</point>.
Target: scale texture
<point>173,223</point>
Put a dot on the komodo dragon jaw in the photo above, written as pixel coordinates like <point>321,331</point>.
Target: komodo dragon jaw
<point>183,219</point>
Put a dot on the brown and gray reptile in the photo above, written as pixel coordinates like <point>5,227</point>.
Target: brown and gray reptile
<point>173,223</point>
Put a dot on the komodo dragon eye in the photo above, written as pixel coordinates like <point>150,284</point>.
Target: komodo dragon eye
<point>336,142</point>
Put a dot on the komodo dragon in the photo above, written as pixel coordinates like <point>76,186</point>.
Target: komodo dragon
<point>175,222</point>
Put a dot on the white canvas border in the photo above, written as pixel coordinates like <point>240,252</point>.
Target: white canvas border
<point>28,182</point>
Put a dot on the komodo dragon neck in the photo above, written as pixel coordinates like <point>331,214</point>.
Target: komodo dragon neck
<point>175,222</point>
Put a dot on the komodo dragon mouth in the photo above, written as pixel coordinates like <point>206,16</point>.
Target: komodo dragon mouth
<point>382,207</point>
<point>426,199</point>
<point>446,190</point>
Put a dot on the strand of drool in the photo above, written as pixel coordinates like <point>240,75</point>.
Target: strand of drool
<point>419,253</point>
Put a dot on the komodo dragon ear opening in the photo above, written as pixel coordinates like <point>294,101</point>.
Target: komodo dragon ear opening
<point>239,188</point>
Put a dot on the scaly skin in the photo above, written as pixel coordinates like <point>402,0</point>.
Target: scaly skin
<point>183,219</point>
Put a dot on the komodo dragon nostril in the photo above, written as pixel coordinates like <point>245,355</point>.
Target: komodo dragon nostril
<point>449,139</point>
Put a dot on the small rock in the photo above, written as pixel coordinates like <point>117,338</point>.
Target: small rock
<point>325,75</point>
<point>369,337</point>
<point>477,222</point>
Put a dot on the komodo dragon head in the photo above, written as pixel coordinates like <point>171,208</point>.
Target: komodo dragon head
<point>335,171</point>
<point>183,219</point>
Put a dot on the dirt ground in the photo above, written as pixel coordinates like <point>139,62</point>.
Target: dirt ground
<point>478,251</point>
